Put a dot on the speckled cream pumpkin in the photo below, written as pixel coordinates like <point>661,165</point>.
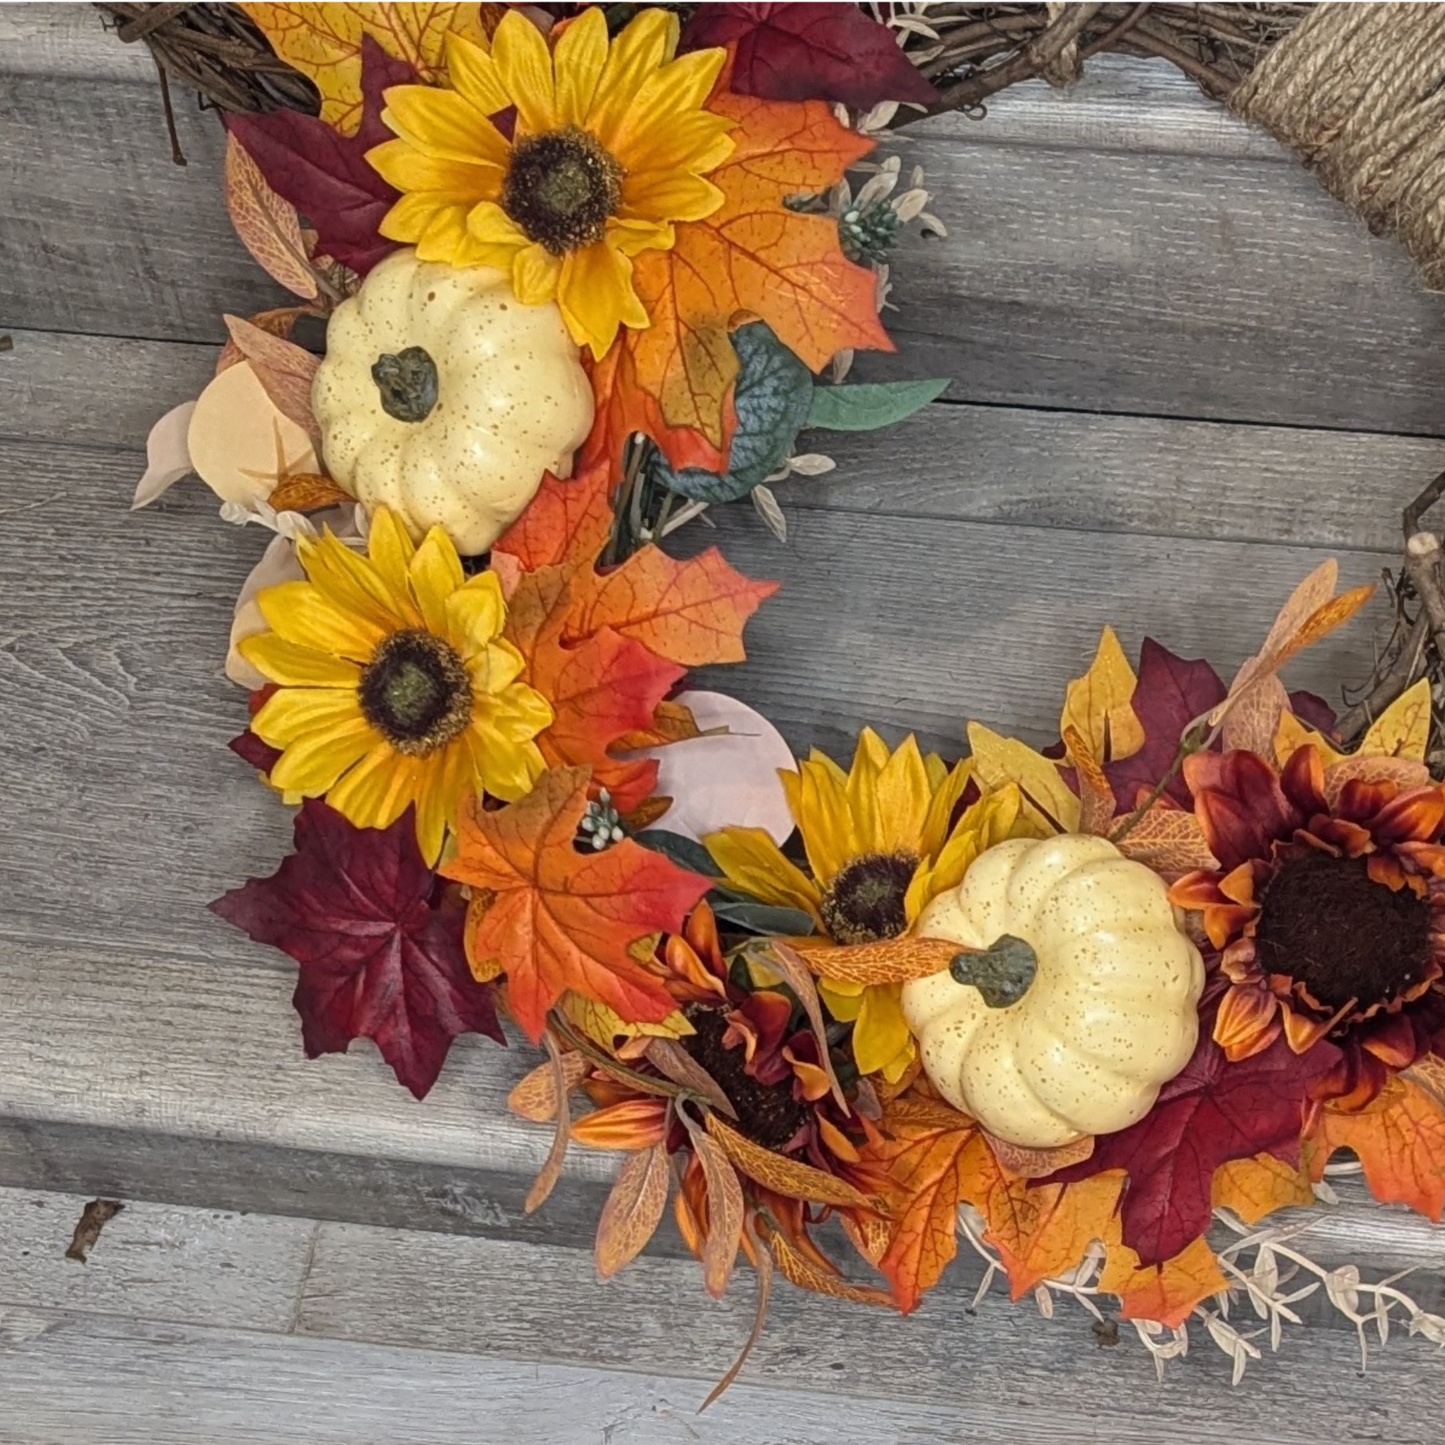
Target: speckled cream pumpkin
<point>1081,1004</point>
<point>444,398</point>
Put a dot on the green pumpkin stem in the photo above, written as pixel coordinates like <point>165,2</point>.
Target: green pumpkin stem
<point>1002,972</point>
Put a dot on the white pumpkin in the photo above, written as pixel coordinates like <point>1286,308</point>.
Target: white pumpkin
<point>444,398</point>
<point>1075,1033</point>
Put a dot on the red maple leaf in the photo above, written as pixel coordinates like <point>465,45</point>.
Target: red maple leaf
<point>1211,1113</point>
<point>803,51</point>
<point>555,917</point>
<point>325,174</point>
<point>380,957</point>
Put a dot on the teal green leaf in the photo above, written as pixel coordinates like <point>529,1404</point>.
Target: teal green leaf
<point>870,405</point>
<point>772,397</point>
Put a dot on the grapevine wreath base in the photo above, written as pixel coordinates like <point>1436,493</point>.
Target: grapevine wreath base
<point>1104,1011</point>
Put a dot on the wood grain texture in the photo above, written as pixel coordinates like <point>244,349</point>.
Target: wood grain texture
<point>363,1330</point>
<point>1160,283</point>
<point>70,1378</point>
<point>1001,1368</point>
<point>154,1261</point>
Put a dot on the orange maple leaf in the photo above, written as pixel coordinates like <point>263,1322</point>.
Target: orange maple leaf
<point>605,648</point>
<point>324,43</point>
<point>1400,1142</point>
<point>925,1147</point>
<point>602,688</point>
<point>690,612</point>
<point>1165,1292</point>
<point>752,257</point>
<point>1040,1230</point>
<point>1253,1188</point>
<point>555,918</point>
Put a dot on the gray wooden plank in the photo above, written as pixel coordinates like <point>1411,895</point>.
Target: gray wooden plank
<point>388,1305</point>
<point>114,711</point>
<point>96,390</point>
<point>1092,472</point>
<point>69,1378</point>
<point>1001,1369</point>
<point>1170,284</point>
<point>154,1261</point>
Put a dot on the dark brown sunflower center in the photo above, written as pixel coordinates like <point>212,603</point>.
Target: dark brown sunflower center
<point>1325,923</point>
<point>560,189</point>
<point>767,1113</point>
<point>864,902</point>
<point>415,692</point>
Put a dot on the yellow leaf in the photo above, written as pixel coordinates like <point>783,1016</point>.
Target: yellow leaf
<point>1290,735</point>
<point>1253,1188</point>
<point>604,1025</point>
<point>1099,704</point>
<point>323,42</point>
<point>1165,1292</point>
<point>1403,729</point>
<point>999,761</point>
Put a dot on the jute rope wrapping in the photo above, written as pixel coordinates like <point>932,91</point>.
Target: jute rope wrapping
<point>1358,92</point>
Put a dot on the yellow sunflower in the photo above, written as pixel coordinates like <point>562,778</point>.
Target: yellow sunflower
<point>395,683</point>
<point>881,841</point>
<point>609,149</point>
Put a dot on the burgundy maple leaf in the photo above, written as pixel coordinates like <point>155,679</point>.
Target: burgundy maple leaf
<point>805,51</point>
<point>326,175</point>
<point>1211,1113</point>
<point>380,957</point>
<point>1170,694</point>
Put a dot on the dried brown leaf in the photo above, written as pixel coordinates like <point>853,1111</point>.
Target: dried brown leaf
<point>671,1059</point>
<point>1096,797</point>
<point>278,321</point>
<point>284,370</point>
<point>724,1209</point>
<point>893,960</point>
<point>269,227</point>
<point>763,1263</point>
<point>535,1097</point>
<point>1023,1163</point>
<point>307,492</point>
<point>1168,840</point>
<point>788,964</point>
<point>797,1269</point>
<point>788,1177</point>
<point>551,1170</point>
<point>633,1210</point>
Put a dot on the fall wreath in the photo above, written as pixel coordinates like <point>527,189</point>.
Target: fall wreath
<point>584,272</point>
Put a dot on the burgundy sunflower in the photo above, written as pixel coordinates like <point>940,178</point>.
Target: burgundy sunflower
<point>1327,908</point>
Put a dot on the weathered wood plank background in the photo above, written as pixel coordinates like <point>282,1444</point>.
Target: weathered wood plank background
<point>1181,375</point>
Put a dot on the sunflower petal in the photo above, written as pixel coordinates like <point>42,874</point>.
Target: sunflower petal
<point>751,861</point>
<point>435,572</point>
<point>596,296</point>
<point>445,125</point>
<point>312,763</point>
<point>295,666</point>
<point>524,66</point>
<point>377,791</point>
<point>578,61</point>
<point>637,53</point>
<point>536,273</point>
<point>472,71</point>
<point>475,612</point>
<point>302,613</point>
